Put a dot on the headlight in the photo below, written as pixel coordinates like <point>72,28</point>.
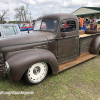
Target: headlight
<point>7,67</point>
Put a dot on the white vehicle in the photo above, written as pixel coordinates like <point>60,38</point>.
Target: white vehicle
<point>9,30</point>
<point>97,21</point>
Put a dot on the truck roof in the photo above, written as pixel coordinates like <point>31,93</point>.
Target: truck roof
<point>59,16</point>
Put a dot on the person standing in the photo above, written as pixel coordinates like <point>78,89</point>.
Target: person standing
<point>83,21</point>
<point>80,23</point>
<point>87,21</point>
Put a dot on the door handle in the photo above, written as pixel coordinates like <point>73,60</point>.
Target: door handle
<point>76,37</point>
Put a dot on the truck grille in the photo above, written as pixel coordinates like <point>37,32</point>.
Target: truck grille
<point>2,66</point>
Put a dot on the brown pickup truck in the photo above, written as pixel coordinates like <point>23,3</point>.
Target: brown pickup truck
<point>56,43</point>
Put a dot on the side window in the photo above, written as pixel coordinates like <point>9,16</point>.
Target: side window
<point>68,26</point>
<point>26,25</point>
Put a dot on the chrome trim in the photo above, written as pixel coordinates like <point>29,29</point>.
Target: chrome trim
<point>7,67</point>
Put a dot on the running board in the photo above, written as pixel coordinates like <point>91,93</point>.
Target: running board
<point>79,60</point>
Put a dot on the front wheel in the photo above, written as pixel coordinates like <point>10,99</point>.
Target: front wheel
<point>36,73</point>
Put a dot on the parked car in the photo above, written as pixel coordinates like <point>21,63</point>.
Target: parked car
<point>97,21</point>
<point>25,26</point>
<point>9,30</point>
<point>58,45</point>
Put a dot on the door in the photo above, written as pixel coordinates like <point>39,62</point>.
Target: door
<point>68,45</point>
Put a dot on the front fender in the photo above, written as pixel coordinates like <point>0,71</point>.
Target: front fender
<point>20,62</point>
<point>95,45</point>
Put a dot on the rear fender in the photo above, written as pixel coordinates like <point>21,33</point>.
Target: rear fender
<point>20,62</point>
<point>95,45</point>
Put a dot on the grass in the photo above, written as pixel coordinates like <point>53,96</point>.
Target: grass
<point>81,82</point>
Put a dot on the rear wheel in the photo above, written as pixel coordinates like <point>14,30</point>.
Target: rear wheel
<point>99,51</point>
<point>36,73</point>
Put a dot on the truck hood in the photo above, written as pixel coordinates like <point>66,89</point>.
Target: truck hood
<point>49,35</point>
<point>22,39</point>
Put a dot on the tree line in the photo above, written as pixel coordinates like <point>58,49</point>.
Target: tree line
<point>22,15</point>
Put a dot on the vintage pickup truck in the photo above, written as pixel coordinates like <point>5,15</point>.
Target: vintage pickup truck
<point>58,46</point>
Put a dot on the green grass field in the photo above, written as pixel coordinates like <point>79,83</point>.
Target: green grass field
<point>81,82</point>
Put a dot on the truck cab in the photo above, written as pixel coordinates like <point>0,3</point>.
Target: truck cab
<point>64,34</point>
<point>55,43</point>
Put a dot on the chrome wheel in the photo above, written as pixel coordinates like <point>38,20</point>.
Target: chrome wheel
<point>37,72</point>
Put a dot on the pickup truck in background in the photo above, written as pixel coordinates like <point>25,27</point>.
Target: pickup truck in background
<point>7,30</point>
<point>57,45</point>
<point>25,26</point>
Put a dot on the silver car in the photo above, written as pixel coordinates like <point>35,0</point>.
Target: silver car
<point>9,30</point>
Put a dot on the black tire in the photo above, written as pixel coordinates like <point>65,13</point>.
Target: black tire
<point>98,22</point>
<point>98,51</point>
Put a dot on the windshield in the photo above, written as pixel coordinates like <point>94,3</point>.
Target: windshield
<point>45,24</point>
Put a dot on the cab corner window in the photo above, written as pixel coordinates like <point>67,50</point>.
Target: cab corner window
<point>68,26</point>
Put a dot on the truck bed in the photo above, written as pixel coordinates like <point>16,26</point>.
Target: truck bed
<point>85,38</point>
<point>83,33</point>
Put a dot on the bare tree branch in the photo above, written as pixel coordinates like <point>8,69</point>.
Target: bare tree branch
<point>21,12</point>
<point>3,15</point>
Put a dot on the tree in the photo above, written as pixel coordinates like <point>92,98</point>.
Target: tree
<point>21,13</point>
<point>3,15</point>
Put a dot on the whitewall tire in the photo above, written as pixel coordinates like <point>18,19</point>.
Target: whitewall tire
<point>36,73</point>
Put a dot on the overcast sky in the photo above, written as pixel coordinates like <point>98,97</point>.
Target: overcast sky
<point>40,7</point>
